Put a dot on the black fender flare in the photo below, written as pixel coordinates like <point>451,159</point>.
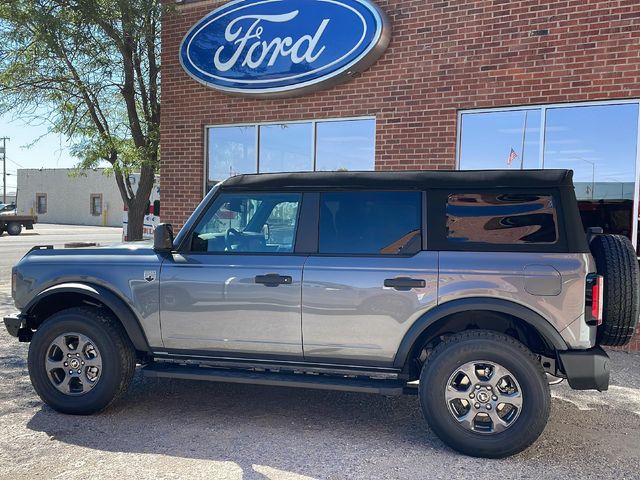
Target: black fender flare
<point>105,296</point>
<point>534,319</point>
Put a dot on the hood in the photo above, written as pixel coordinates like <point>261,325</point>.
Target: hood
<point>121,268</point>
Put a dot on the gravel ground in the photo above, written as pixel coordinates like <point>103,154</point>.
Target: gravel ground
<point>180,429</point>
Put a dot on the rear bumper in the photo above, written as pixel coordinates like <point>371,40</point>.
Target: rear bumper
<point>586,369</point>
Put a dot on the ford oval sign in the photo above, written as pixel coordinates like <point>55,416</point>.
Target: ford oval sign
<point>284,47</point>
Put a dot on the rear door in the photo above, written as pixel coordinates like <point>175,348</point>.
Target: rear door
<point>236,290</point>
<point>371,278</point>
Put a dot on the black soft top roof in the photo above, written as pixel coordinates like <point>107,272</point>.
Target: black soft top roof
<point>410,180</point>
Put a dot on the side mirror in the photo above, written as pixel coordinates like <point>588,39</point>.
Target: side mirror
<point>163,238</point>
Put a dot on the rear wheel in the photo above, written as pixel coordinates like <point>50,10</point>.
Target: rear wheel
<point>80,360</point>
<point>14,228</point>
<point>484,394</point>
<point>617,262</point>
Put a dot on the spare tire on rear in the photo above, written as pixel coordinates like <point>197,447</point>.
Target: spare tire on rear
<point>617,262</point>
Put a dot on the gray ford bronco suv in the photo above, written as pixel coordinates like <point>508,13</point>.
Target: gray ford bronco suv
<point>473,290</point>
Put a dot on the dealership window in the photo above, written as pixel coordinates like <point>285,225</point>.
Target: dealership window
<point>370,223</point>
<point>327,145</point>
<point>41,203</point>
<point>96,204</point>
<point>597,140</point>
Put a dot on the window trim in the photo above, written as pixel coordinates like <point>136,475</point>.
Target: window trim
<point>543,123</point>
<point>46,204</point>
<point>91,204</point>
<point>256,125</point>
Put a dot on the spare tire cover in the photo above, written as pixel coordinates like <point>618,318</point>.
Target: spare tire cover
<point>617,262</point>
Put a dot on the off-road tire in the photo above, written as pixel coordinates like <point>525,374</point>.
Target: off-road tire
<point>476,345</point>
<point>617,262</point>
<point>14,229</point>
<point>116,350</point>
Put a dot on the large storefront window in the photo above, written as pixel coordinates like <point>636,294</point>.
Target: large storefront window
<point>327,145</point>
<point>598,141</point>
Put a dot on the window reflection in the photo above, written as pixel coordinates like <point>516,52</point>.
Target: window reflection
<point>232,151</point>
<point>489,138</point>
<point>346,145</point>
<point>501,219</point>
<point>286,147</point>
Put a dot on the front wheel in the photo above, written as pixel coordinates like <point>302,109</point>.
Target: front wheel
<point>485,394</point>
<point>80,360</point>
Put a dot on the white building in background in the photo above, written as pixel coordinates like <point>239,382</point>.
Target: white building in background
<point>70,196</point>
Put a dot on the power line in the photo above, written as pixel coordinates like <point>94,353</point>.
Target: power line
<point>14,162</point>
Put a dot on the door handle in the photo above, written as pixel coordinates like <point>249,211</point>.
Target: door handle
<point>404,283</point>
<point>273,280</point>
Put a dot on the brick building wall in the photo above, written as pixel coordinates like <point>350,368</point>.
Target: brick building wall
<point>444,56</point>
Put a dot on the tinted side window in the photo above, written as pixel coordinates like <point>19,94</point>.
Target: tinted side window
<point>378,223</point>
<point>248,223</point>
<point>501,218</point>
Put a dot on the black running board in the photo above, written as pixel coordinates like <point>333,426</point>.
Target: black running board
<point>299,380</point>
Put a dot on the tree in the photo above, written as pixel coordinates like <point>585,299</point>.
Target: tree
<point>91,70</point>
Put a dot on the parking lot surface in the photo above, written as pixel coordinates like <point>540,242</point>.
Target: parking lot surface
<point>173,429</point>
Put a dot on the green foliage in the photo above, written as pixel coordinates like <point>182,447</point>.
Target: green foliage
<point>91,70</point>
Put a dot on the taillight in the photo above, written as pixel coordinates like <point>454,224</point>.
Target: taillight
<point>597,290</point>
<point>14,277</point>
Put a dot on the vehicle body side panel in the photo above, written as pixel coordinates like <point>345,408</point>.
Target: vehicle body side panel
<point>349,316</point>
<point>212,303</point>
<point>512,276</point>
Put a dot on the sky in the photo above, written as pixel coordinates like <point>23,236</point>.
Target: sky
<point>48,152</point>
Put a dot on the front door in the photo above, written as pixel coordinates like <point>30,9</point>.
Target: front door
<point>370,279</point>
<point>236,290</point>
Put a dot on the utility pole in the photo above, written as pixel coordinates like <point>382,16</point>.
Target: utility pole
<point>4,168</point>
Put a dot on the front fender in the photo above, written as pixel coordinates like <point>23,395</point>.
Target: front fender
<point>102,295</point>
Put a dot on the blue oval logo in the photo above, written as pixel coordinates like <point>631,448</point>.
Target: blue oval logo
<point>284,47</point>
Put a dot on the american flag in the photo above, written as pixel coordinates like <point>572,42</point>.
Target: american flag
<point>512,156</point>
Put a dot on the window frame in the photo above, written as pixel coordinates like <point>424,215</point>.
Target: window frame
<point>256,125</point>
<point>423,225</point>
<point>185,247</point>
<point>543,123</point>
<point>46,203</point>
<point>92,197</point>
